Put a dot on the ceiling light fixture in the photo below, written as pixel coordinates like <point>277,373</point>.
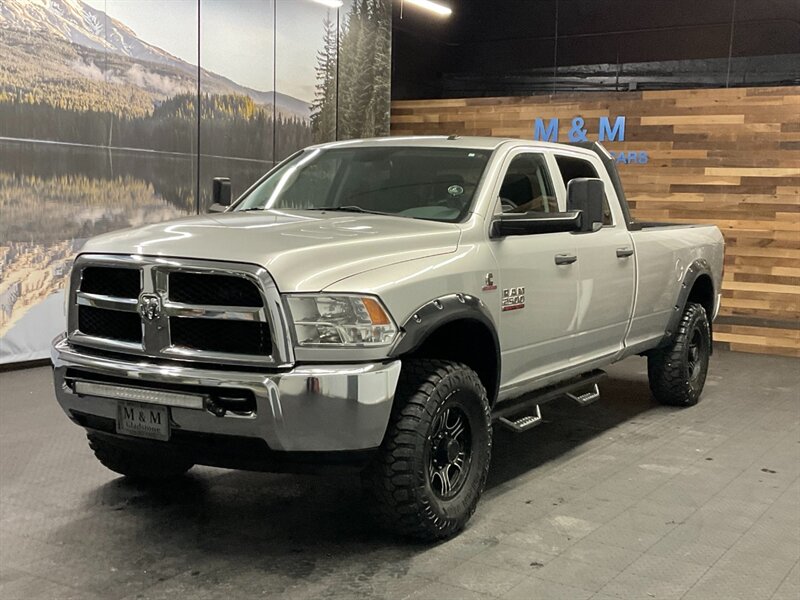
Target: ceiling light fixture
<point>330,3</point>
<point>439,9</point>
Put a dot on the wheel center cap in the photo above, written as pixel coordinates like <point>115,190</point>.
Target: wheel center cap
<point>453,448</point>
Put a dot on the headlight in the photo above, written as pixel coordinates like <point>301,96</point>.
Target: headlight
<point>340,320</point>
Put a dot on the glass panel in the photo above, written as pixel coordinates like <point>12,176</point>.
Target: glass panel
<point>527,186</point>
<point>305,74</point>
<point>365,50</point>
<point>425,183</point>
<point>118,95</point>
<point>236,97</point>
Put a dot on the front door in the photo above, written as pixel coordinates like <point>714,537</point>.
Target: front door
<point>537,277</point>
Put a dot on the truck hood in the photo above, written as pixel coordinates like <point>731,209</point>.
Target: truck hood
<point>302,250</point>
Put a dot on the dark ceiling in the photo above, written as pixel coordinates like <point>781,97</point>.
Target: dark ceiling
<point>489,41</point>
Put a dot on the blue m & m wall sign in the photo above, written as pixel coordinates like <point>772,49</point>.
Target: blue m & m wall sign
<point>608,131</point>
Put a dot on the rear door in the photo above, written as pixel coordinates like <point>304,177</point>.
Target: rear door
<point>538,297</point>
<point>606,269</point>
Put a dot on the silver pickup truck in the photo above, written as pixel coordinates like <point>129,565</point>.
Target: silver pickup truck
<point>380,305</point>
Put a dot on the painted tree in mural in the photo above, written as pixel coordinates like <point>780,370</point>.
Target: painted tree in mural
<point>363,68</point>
<point>323,110</point>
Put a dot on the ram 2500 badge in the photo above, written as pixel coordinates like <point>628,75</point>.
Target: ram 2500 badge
<point>380,305</point>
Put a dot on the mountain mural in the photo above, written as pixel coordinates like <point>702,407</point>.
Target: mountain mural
<point>79,23</point>
<point>102,129</point>
<point>73,42</point>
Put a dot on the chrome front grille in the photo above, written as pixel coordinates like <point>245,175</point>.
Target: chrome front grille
<point>213,290</point>
<point>121,282</point>
<point>243,337</point>
<point>110,324</point>
<point>203,311</point>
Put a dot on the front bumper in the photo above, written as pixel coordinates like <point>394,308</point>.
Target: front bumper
<point>324,408</point>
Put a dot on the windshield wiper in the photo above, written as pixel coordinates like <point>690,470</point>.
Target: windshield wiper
<point>350,208</point>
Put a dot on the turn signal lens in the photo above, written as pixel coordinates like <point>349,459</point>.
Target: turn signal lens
<point>376,312</point>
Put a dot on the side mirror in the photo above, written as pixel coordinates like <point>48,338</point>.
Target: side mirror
<point>535,222</point>
<point>585,194</point>
<point>220,194</point>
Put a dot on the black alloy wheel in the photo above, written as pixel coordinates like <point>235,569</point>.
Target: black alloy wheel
<point>677,372</point>
<point>428,475</point>
<point>449,452</point>
<point>696,354</point>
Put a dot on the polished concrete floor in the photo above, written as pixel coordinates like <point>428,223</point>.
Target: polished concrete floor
<point>622,499</point>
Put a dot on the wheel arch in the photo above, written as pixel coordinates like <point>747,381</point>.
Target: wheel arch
<point>455,327</point>
<point>697,286</point>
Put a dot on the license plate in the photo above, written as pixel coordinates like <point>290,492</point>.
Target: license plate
<point>143,420</point>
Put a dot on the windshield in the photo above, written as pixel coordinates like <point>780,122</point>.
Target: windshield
<point>419,182</point>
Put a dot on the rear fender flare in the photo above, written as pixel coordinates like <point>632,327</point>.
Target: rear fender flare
<point>699,267</point>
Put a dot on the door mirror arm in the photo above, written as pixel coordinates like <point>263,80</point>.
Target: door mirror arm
<point>534,223</point>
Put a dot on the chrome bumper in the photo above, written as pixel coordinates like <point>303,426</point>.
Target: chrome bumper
<point>307,409</point>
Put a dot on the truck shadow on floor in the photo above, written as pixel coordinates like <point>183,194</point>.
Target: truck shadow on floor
<point>228,524</point>
<point>565,426</point>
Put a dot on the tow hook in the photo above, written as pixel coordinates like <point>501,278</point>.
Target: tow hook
<point>215,408</point>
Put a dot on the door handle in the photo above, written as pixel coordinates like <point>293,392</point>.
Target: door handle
<point>624,252</point>
<point>565,259</point>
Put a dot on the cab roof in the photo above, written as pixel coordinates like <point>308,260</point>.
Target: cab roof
<point>443,141</point>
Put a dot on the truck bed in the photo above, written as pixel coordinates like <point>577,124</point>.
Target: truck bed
<point>667,248</point>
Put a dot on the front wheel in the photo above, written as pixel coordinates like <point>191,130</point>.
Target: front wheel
<point>432,466</point>
<point>677,373</point>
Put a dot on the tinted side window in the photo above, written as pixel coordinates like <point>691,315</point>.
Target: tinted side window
<point>527,186</point>
<point>572,168</point>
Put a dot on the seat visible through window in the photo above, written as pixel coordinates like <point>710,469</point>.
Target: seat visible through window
<point>517,188</point>
<point>526,186</point>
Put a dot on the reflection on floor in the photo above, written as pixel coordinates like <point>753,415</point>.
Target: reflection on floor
<point>621,499</point>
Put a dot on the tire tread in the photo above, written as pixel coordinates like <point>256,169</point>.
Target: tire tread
<point>665,366</point>
<point>390,482</point>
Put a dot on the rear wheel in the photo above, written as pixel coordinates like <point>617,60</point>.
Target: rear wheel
<point>432,466</point>
<point>677,373</point>
<point>139,464</point>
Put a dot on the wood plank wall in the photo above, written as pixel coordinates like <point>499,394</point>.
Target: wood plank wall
<point>725,156</point>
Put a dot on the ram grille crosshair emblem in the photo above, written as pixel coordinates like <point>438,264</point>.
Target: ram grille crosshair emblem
<point>150,306</point>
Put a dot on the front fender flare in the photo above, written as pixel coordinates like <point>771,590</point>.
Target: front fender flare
<point>439,312</point>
